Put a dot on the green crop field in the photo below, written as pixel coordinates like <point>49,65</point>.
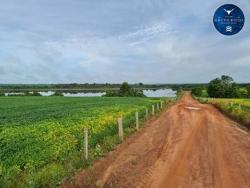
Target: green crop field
<point>41,138</point>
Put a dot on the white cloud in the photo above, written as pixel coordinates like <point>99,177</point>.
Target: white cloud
<point>95,41</point>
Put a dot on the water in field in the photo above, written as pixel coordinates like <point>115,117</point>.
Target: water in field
<point>148,93</point>
<point>160,93</point>
<point>88,94</point>
<point>13,94</point>
<point>46,93</point>
<point>80,94</point>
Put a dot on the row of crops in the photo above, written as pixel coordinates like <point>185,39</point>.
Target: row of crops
<point>41,139</point>
<point>238,109</point>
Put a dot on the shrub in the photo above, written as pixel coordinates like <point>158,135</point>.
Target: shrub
<point>57,93</point>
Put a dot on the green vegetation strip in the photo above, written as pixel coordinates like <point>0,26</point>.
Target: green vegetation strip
<point>41,138</point>
<point>237,109</point>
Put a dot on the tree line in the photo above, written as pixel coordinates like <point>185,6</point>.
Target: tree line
<point>223,87</point>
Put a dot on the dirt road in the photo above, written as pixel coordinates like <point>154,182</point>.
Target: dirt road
<point>190,145</point>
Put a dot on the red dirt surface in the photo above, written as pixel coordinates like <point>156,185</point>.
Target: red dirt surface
<point>190,145</point>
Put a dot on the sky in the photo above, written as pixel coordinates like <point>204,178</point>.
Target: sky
<point>149,41</point>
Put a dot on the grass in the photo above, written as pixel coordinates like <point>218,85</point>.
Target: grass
<point>41,138</point>
<point>237,109</point>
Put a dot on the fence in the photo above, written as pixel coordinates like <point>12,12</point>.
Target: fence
<point>136,121</point>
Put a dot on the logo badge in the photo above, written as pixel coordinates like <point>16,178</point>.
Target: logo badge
<point>229,19</point>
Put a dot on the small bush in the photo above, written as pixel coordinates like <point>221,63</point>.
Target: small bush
<point>57,93</point>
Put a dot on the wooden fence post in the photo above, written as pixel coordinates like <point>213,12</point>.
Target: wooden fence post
<point>120,128</point>
<point>166,102</point>
<point>153,109</point>
<point>157,105</point>
<point>85,149</point>
<point>146,114</point>
<point>137,120</point>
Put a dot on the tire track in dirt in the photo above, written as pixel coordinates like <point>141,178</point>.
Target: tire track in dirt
<point>189,145</point>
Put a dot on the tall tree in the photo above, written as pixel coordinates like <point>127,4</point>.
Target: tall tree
<point>221,87</point>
